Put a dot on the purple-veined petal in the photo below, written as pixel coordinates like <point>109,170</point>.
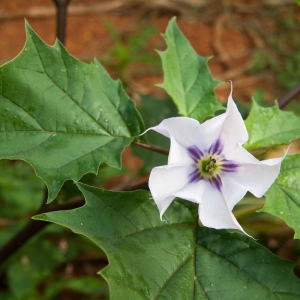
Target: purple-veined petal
<point>194,153</point>
<point>165,182</point>
<point>186,132</point>
<point>215,213</point>
<point>216,182</point>
<point>216,148</point>
<point>256,175</point>
<point>217,189</point>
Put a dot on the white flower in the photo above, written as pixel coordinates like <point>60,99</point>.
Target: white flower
<point>208,165</point>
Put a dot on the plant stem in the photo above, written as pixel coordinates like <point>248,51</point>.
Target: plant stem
<point>152,148</point>
<point>61,6</point>
<point>33,227</point>
<point>289,96</point>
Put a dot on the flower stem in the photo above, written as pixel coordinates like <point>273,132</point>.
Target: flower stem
<point>289,96</point>
<point>152,148</point>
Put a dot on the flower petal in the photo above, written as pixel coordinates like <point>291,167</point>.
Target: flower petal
<point>182,129</point>
<point>193,191</point>
<point>182,132</point>
<point>186,132</point>
<point>165,182</point>
<point>256,175</point>
<point>215,213</point>
<point>234,130</point>
<point>232,191</point>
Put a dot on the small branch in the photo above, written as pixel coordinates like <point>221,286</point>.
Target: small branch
<point>61,6</point>
<point>289,96</point>
<point>152,148</point>
<point>33,227</point>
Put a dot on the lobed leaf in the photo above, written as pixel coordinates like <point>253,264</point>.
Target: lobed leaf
<point>271,127</point>
<point>187,78</point>
<point>283,198</point>
<point>174,258</point>
<point>61,115</point>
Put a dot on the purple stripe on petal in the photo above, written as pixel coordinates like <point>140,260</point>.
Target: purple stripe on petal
<point>194,153</point>
<point>195,176</point>
<point>216,182</point>
<point>228,166</point>
<point>216,148</point>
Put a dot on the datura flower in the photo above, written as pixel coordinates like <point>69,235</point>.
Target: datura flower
<point>208,166</point>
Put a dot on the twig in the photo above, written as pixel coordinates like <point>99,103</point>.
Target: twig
<point>33,227</point>
<point>61,6</point>
<point>152,148</point>
<point>289,96</point>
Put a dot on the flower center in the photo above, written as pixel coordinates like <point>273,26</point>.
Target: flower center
<point>208,166</point>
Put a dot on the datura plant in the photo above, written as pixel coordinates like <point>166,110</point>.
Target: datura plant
<point>183,238</point>
<point>208,165</point>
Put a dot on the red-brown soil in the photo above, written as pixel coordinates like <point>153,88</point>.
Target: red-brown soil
<point>229,31</point>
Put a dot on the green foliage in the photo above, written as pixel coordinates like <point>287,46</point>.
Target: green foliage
<point>290,73</point>
<point>31,268</point>
<point>62,116</point>
<point>35,265</point>
<point>278,55</point>
<point>268,127</point>
<point>20,190</point>
<point>83,285</point>
<point>287,71</point>
<point>283,198</point>
<point>187,78</point>
<point>65,117</point>
<point>173,258</point>
<point>124,53</point>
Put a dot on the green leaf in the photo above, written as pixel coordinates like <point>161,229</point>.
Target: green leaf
<point>187,78</point>
<point>174,258</point>
<point>61,115</point>
<point>283,198</point>
<point>271,127</point>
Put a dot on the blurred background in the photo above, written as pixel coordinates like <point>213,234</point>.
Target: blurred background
<point>253,43</point>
